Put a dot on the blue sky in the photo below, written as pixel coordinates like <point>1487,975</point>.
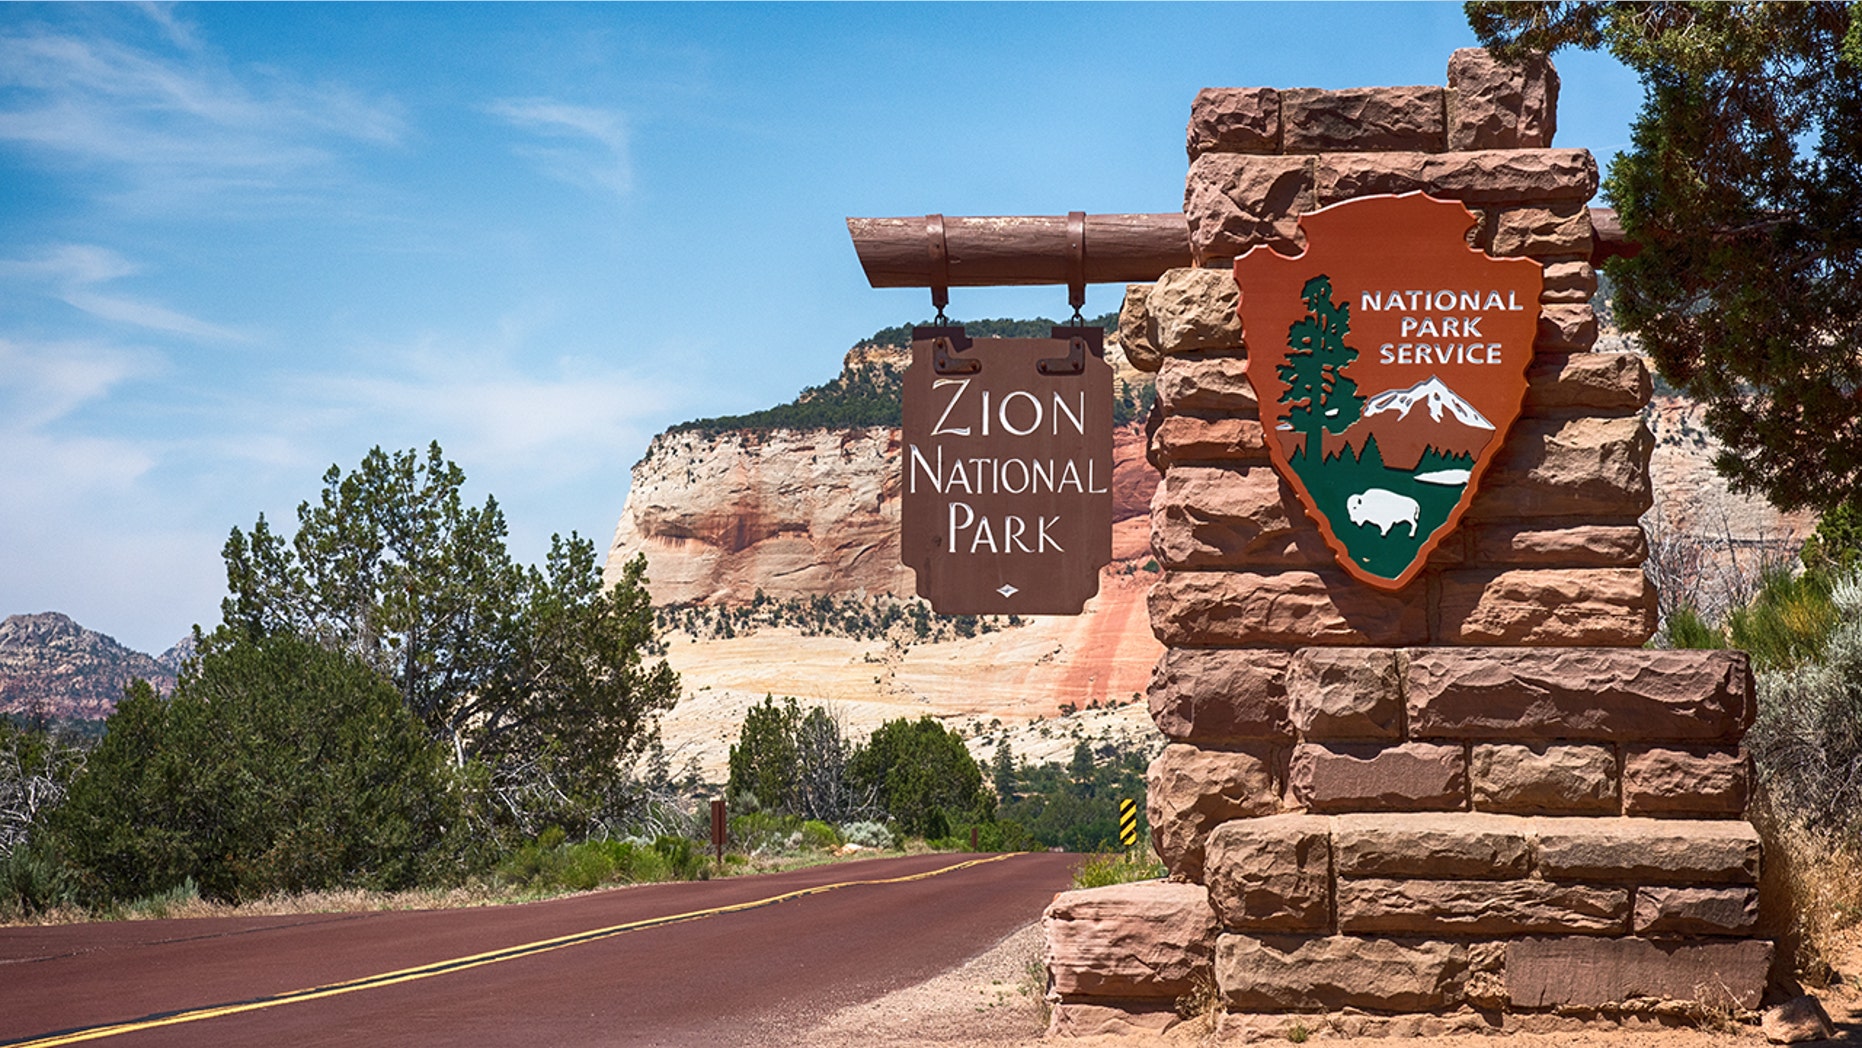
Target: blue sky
<point>240,243</point>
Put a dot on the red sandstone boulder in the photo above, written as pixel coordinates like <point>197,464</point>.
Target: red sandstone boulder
<point>1148,939</point>
<point>1193,790</point>
<point>1220,695</point>
<point>1361,118</point>
<point>1234,120</point>
<point>1496,104</point>
<point>1271,874</point>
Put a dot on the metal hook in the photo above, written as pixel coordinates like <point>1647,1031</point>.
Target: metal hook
<point>1076,263</point>
<point>940,265</point>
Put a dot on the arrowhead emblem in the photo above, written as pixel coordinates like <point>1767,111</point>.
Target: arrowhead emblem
<point>1389,360</point>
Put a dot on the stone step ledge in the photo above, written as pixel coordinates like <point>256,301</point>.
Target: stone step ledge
<point>1294,973</point>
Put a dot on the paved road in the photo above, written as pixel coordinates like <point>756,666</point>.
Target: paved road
<point>605,968</point>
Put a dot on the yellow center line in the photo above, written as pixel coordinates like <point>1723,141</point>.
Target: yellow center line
<point>460,964</point>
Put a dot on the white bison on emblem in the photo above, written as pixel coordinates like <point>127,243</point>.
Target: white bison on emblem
<point>1384,508</point>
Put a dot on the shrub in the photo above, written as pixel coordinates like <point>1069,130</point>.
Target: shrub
<point>1686,628</point>
<point>278,766</point>
<point>921,774</point>
<point>1788,622</point>
<point>819,836</point>
<point>867,834</point>
<point>1807,739</point>
<point>1137,864</point>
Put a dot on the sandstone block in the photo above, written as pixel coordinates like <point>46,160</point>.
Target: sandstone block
<point>1497,176</point>
<point>1346,693</point>
<point>1799,1019</point>
<point>1206,516</point>
<point>1618,383</point>
<point>1282,609</point>
<point>1661,851</point>
<point>1417,907</point>
<point>1136,333</point>
<point>1469,846</point>
<point>1234,120</point>
<point>1544,779</point>
<point>1195,309</point>
<point>1415,776</point>
<point>1671,781</point>
<point>1236,201</point>
<point>1573,607</point>
<point>1601,694</point>
<point>1214,383</point>
<point>1585,972</point>
<point>1271,874</point>
<point>1569,281</point>
<point>1362,118</point>
<point>1148,939</point>
<point>1500,105</point>
<point>1565,327</point>
<point>1596,468</point>
<point>1101,1017</point>
<point>1576,546</point>
<point>1284,973</point>
<point>1562,228</point>
<point>1187,438</point>
<point>1696,911</point>
<point>1218,695</point>
<point>1192,790</point>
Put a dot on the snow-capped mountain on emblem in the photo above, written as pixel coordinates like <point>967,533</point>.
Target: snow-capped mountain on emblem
<point>1408,423</point>
<point>1432,392</point>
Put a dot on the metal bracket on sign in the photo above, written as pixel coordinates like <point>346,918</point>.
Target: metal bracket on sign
<point>1081,339</point>
<point>947,340</point>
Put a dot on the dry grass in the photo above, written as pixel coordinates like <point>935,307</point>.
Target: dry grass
<point>1202,1007</point>
<point>1810,896</point>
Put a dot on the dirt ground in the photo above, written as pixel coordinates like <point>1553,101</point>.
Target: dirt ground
<point>995,1000</point>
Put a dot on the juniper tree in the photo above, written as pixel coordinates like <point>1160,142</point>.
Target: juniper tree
<point>1743,186</point>
<point>542,676</point>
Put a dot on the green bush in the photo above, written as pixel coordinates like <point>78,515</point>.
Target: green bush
<point>33,880</point>
<point>868,834</point>
<point>1686,628</point>
<point>549,864</point>
<point>1807,739</point>
<point>1788,622</point>
<point>277,766</point>
<point>1136,864</point>
<point>819,836</point>
<point>922,774</point>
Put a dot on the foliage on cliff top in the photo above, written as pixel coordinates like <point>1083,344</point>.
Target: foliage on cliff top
<point>865,394</point>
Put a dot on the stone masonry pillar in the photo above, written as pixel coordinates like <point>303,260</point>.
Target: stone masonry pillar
<point>1476,800</point>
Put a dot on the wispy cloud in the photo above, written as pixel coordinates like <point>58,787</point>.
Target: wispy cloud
<point>177,123</point>
<point>77,274</point>
<point>589,146</point>
<point>41,382</point>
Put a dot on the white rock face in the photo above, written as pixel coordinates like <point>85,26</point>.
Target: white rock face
<point>794,513</point>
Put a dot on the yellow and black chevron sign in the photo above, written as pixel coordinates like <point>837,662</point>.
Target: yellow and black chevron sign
<point>1128,822</point>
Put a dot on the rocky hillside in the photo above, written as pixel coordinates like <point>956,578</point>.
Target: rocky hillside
<point>50,665</point>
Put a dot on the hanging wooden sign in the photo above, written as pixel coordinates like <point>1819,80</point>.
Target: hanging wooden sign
<point>1389,360</point>
<point>1007,470</point>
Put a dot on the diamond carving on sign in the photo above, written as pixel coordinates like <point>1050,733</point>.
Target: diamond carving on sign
<point>1008,590</point>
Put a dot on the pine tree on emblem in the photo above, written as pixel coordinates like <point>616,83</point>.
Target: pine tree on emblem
<point>1321,396</point>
